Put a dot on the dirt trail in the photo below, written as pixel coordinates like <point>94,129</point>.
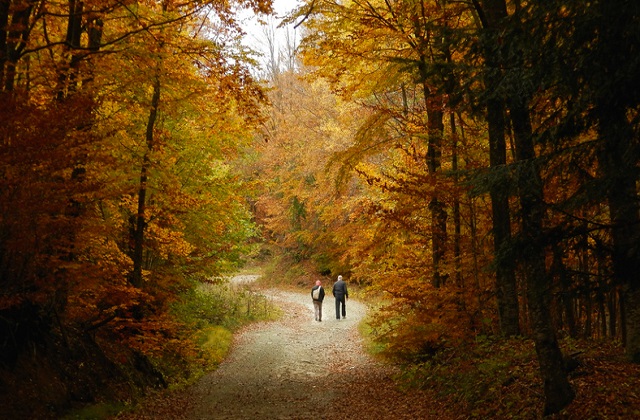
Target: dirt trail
<point>294,368</point>
<point>279,370</point>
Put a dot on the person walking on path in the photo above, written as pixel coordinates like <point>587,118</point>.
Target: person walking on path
<point>341,293</point>
<point>317,294</point>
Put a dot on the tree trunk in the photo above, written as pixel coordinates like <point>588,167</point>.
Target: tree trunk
<point>558,391</point>
<point>15,41</point>
<point>602,312</point>
<point>457,223</point>
<point>474,252</point>
<point>491,12</point>
<point>613,313</point>
<point>566,296</point>
<point>68,77</point>
<point>506,285</point>
<point>623,317</point>
<point>438,212</point>
<point>618,160</point>
<point>140,221</point>
<point>588,322</point>
<point>4,21</point>
<point>435,130</point>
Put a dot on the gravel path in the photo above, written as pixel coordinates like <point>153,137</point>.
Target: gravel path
<point>295,368</point>
<point>280,370</point>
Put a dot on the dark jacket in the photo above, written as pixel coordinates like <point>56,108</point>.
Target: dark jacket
<point>321,293</point>
<point>340,289</point>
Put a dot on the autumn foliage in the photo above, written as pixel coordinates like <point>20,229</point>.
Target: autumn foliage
<point>119,125</point>
<point>474,166</point>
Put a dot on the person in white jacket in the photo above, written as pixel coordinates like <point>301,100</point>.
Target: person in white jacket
<point>317,294</point>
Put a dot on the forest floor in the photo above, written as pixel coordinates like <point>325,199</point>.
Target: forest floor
<point>297,368</point>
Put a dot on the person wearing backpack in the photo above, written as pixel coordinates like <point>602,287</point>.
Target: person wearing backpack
<point>317,294</point>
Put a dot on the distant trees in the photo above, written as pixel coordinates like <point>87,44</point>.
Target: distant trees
<point>492,134</point>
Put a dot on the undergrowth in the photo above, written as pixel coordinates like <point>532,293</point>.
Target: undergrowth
<point>209,313</point>
<point>494,377</point>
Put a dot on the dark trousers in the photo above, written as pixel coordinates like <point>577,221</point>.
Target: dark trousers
<point>341,301</point>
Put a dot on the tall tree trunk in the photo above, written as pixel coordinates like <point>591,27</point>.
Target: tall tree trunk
<point>623,319</point>
<point>4,22</point>
<point>457,223</point>
<point>435,131</point>
<point>613,313</point>
<point>558,391</point>
<point>506,285</point>
<point>15,40</point>
<point>67,76</point>
<point>588,322</point>
<point>473,230</point>
<point>612,88</point>
<point>140,220</point>
<point>618,158</point>
<point>438,212</point>
<point>491,13</point>
<point>602,313</point>
<point>566,303</point>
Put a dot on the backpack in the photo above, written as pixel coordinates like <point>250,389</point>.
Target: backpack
<point>316,293</point>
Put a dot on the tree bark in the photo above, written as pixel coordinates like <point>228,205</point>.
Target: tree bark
<point>490,14</point>
<point>4,21</point>
<point>435,131</point>
<point>612,310</point>
<point>140,220</point>
<point>457,222</point>
<point>618,158</point>
<point>557,389</point>
<point>494,15</point>
<point>15,40</point>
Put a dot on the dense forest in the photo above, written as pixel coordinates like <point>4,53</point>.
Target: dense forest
<point>472,166</point>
